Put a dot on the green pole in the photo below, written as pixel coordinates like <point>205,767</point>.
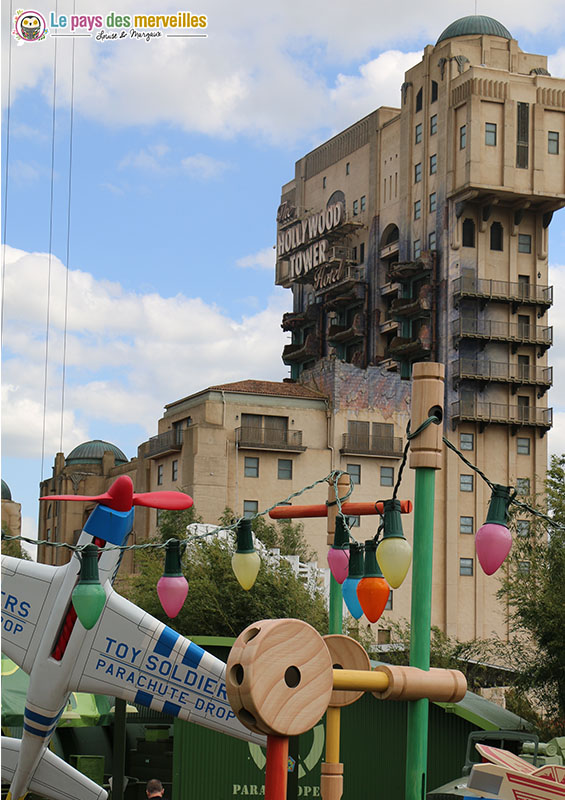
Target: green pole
<point>336,607</point>
<point>420,624</point>
<point>119,754</point>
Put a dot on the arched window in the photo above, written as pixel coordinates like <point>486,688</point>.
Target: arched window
<point>468,233</point>
<point>496,236</point>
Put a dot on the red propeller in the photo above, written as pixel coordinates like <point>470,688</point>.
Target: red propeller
<point>120,497</point>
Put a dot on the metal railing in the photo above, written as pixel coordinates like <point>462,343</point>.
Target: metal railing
<point>372,445</point>
<point>165,442</point>
<point>473,328</point>
<point>478,411</point>
<point>503,372</point>
<point>503,291</point>
<point>269,438</point>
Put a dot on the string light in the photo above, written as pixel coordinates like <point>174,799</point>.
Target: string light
<point>245,561</point>
<point>349,586</point>
<point>172,586</point>
<point>88,596</point>
<point>372,590</point>
<point>338,555</point>
<point>493,540</point>
<point>394,554</point>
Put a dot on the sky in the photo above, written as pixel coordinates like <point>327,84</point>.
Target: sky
<point>140,186</point>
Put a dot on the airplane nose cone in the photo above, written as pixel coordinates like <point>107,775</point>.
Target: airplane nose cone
<point>120,494</point>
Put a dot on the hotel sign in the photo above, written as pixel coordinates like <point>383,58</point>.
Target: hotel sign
<point>304,243</point>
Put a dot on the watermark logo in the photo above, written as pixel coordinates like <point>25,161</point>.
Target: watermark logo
<point>29,26</point>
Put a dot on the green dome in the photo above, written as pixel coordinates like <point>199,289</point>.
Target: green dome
<point>467,26</point>
<point>92,452</point>
<point>6,493</point>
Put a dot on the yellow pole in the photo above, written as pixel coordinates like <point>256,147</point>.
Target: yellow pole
<point>333,716</point>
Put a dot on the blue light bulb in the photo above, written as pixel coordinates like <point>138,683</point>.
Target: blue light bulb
<point>349,589</point>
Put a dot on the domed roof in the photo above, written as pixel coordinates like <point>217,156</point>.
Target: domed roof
<point>467,26</point>
<point>92,452</point>
<point>6,493</point>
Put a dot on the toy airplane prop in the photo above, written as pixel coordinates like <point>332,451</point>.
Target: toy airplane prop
<point>127,654</point>
<point>509,777</point>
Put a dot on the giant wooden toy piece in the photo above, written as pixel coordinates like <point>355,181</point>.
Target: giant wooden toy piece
<point>281,679</point>
<point>127,654</point>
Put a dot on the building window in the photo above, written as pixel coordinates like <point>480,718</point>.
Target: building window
<point>324,182</point>
<point>434,92</point>
<point>466,441</point>
<point>251,467</point>
<point>159,516</point>
<point>355,207</point>
<point>466,483</point>
<point>417,209</point>
<point>523,446</point>
<point>523,568</point>
<point>522,135</point>
<point>285,469</point>
<point>362,253</point>
<point>432,240</point>
<point>48,535</point>
<point>462,137</point>
<point>524,243</point>
<point>419,96</point>
<point>49,511</point>
<point>347,168</point>
<point>353,522</point>
<point>523,527</point>
<point>354,471</point>
<point>466,525</point>
<point>174,470</point>
<point>433,124</point>
<point>468,233</point>
<point>523,486</point>
<point>250,508</point>
<point>417,173</point>
<point>490,134</point>
<point>387,476</point>
<point>496,236</point>
<point>433,164</point>
<point>417,248</point>
<point>433,202</point>
<point>553,142</point>
<point>160,475</point>
<point>363,203</point>
<point>388,606</point>
<point>418,133</point>
<point>465,566</point>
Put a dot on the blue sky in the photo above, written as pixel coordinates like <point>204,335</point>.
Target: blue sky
<point>179,150</point>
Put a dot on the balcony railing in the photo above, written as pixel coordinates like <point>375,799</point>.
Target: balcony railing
<point>472,328</point>
<point>502,372</point>
<point>167,442</point>
<point>503,413</point>
<point>503,291</point>
<point>269,439</point>
<point>389,446</point>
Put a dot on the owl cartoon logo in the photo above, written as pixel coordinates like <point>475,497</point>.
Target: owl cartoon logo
<point>29,26</point>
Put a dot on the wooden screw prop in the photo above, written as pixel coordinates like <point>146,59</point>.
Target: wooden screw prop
<point>281,676</point>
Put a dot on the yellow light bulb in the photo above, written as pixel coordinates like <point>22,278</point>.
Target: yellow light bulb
<point>245,568</point>
<point>394,555</point>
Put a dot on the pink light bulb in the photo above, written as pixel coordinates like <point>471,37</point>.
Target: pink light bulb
<point>172,593</point>
<point>338,561</point>
<point>492,543</point>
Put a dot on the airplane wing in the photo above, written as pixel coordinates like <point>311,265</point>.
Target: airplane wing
<point>494,781</point>
<point>141,660</point>
<point>28,593</point>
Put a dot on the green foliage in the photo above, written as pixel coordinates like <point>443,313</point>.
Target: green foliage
<point>173,524</point>
<point>216,604</point>
<point>12,547</point>
<point>533,588</point>
<point>285,534</point>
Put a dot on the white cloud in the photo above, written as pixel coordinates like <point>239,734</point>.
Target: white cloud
<point>264,70</point>
<point>149,158</point>
<point>263,259</point>
<point>556,63</point>
<point>203,167</point>
<point>556,437</point>
<point>120,346</point>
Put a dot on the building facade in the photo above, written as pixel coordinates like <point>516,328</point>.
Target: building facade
<point>418,233</point>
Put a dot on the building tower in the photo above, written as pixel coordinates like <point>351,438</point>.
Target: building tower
<point>422,233</point>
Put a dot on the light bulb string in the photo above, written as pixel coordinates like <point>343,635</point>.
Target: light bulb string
<point>331,478</point>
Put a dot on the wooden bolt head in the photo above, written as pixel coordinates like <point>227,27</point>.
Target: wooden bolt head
<point>279,677</point>
<point>346,653</point>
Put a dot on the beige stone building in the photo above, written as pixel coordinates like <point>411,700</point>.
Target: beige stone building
<point>11,512</point>
<point>418,233</point>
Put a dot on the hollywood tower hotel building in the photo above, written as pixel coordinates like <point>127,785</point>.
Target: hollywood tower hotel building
<point>421,233</point>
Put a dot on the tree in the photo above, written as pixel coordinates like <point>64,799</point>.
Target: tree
<point>12,547</point>
<point>534,589</point>
<point>286,535</point>
<point>173,524</point>
<point>216,604</point>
